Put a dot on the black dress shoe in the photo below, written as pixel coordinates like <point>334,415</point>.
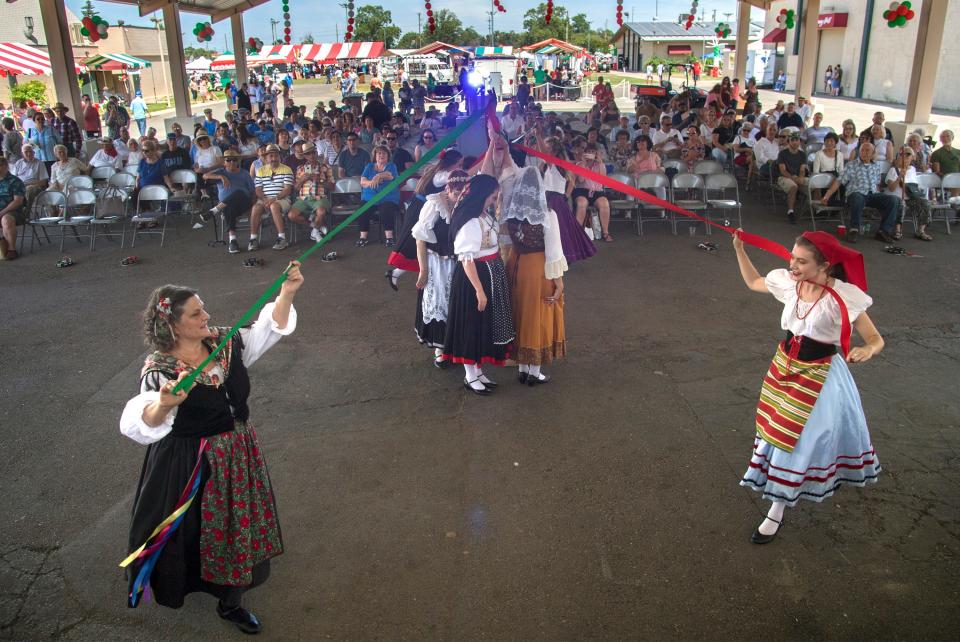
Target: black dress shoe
<point>489,383</point>
<point>389,276</point>
<point>522,377</point>
<point>241,618</point>
<point>441,363</point>
<point>536,381</point>
<point>760,538</point>
<point>483,392</point>
<point>883,237</point>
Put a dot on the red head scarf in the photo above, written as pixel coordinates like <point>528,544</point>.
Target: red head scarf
<point>837,254</point>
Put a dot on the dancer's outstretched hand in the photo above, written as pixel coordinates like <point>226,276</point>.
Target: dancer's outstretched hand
<point>737,241</point>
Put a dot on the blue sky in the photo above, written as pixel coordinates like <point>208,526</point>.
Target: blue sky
<point>305,15</point>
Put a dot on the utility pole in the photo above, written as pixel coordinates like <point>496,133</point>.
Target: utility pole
<point>158,22</point>
<point>419,32</point>
<point>714,15</point>
<point>273,30</point>
<point>491,14</point>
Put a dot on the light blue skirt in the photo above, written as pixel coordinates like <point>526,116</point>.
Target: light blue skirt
<point>834,448</point>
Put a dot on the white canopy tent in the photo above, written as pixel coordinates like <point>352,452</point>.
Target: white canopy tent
<point>200,64</point>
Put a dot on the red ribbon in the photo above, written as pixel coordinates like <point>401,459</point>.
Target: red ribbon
<point>750,239</point>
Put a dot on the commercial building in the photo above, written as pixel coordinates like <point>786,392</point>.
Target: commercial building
<point>876,59</point>
<point>639,42</point>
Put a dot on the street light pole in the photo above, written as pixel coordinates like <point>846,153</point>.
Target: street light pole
<point>419,32</point>
<point>273,30</point>
<point>158,22</point>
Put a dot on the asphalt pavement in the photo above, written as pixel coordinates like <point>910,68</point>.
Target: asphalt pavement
<point>604,505</point>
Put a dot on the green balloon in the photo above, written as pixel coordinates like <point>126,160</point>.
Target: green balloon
<point>907,4</point>
<point>901,21</point>
<point>84,31</point>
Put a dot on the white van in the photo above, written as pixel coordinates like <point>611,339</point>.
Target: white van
<point>418,67</point>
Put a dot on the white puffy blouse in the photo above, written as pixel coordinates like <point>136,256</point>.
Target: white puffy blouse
<point>822,323</point>
<point>257,339</point>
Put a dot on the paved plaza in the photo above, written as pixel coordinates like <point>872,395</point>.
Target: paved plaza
<point>604,505</point>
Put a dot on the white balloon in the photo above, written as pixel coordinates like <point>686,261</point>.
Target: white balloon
<point>894,5</point>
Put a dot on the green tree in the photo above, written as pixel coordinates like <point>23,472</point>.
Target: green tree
<point>33,91</point>
<point>535,27</point>
<point>469,37</point>
<point>410,40</point>
<point>372,23</point>
<point>579,24</point>
<point>449,28</point>
<point>88,10</point>
<point>308,39</point>
<point>193,53</point>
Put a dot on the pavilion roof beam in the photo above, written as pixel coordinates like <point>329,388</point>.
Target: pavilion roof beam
<point>217,16</point>
<point>759,4</point>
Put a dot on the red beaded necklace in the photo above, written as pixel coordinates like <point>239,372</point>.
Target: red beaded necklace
<point>796,306</point>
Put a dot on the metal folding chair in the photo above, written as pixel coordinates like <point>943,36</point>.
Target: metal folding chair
<point>152,204</point>
<point>123,180</point>
<point>81,182</point>
<point>80,210</point>
<point>620,202</point>
<point>822,181</point>
<point>720,185</point>
<point>659,184</point>
<point>48,210</point>
<point>691,184</point>
<point>707,168</point>
<point>111,210</point>
<point>345,198</point>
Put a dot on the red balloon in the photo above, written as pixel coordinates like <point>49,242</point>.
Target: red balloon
<point>427,5</point>
<point>349,21</point>
<point>886,15</point>
<point>286,30</point>
<point>783,12</point>
<point>902,10</point>
<point>910,14</point>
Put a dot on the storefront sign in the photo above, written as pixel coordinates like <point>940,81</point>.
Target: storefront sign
<point>831,20</point>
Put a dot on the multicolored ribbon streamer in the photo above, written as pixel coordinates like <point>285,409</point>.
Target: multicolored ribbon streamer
<point>150,550</point>
<point>442,144</point>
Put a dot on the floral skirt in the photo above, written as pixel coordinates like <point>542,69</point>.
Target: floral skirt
<point>226,539</point>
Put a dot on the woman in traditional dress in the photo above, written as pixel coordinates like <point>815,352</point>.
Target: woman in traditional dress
<point>204,516</point>
<point>437,261</point>
<point>812,434</point>
<point>479,319</point>
<point>576,244</point>
<point>434,179</point>
<point>535,273</point>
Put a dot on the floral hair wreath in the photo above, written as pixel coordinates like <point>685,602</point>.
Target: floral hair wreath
<point>165,307</point>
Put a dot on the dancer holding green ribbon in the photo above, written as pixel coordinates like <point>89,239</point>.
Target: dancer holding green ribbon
<point>204,517</point>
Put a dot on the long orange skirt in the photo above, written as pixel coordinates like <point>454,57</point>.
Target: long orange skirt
<point>541,337</point>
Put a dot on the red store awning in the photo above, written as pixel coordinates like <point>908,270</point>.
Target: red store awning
<point>776,36</point>
<point>679,50</point>
<point>831,20</point>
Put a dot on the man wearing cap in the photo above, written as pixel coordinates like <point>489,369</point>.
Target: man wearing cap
<point>173,158</point>
<point>106,156</point>
<point>804,110</point>
<point>792,163</point>
<point>206,158</point>
<point>861,178</point>
<point>209,122</point>
<point>69,130</point>
<point>314,180</point>
<point>274,183</point>
<point>235,191</point>
<point>667,140</point>
<point>13,195</point>
<point>139,111</point>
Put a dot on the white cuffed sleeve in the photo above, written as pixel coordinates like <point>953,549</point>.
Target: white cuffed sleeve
<point>132,424</point>
<point>423,228</point>
<point>856,300</point>
<point>556,262</point>
<point>469,239</point>
<point>781,286</point>
<point>265,333</point>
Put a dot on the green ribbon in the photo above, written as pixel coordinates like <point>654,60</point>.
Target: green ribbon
<point>379,196</point>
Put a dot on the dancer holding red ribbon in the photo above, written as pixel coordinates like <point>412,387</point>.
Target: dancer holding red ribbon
<point>812,434</point>
<point>204,516</point>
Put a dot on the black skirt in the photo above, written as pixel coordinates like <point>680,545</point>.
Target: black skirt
<point>432,333</point>
<point>167,467</point>
<point>474,337</point>
<point>405,256</point>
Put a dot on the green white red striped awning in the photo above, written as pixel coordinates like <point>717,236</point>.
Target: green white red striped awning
<point>492,51</point>
<point>115,62</point>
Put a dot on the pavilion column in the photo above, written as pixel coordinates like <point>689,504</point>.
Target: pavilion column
<point>743,41</point>
<point>239,48</point>
<point>57,32</point>
<point>807,63</point>
<point>176,60</point>
<point>926,56</point>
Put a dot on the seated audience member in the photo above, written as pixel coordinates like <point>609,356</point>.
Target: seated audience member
<point>399,156</point>
<point>236,192</point>
<point>106,156</point>
<point>274,187</point>
<point>693,149</point>
<point>792,163</point>
<point>13,210</point>
<point>790,118</point>
<point>667,140</point>
<point>861,179</point>
<point>816,132</point>
<point>173,158</point>
<point>587,192</point>
<point>743,145</point>
<point>879,119</point>
<point>767,150</point>
<point>64,168</point>
<point>312,184</point>
<point>622,152</point>
<point>150,169</point>
<point>206,158</point>
<point>946,159</point>
<point>353,159</point>
<point>32,172</point>
<point>829,159</point>
<point>723,137</point>
<point>377,175</point>
<point>901,183</point>
<point>883,146</point>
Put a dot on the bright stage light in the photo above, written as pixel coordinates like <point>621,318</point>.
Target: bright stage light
<point>475,79</point>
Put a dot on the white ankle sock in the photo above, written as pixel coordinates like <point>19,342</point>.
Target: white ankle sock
<point>437,353</point>
<point>774,515</point>
<point>483,378</point>
<point>524,368</point>
<point>396,274</point>
<point>535,371</point>
<point>472,377</point>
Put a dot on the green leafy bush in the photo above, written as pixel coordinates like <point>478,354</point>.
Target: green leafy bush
<point>33,91</point>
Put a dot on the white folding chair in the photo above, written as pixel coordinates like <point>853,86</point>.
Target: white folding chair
<point>48,210</point>
<point>659,184</point>
<point>674,163</point>
<point>123,180</point>
<point>822,181</point>
<point>620,202</point>
<point>81,182</point>
<point>345,198</point>
<point>947,206</point>
<point>719,185</point>
<point>707,168</point>
<point>100,175</point>
<point>930,185</point>
<point>80,210</point>
<point>694,185</point>
<point>111,210</point>
<point>152,204</point>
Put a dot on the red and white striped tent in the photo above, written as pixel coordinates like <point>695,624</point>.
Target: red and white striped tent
<point>329,53</point>
<point>226,60</point>
<point>281,53</point>
<point>17,59</point>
